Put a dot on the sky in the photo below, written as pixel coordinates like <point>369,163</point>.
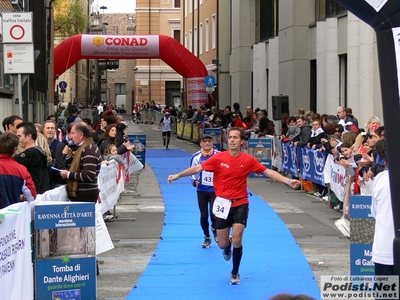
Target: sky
<point>116,6</point>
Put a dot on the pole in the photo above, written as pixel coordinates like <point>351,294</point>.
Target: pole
<point>20,96</point>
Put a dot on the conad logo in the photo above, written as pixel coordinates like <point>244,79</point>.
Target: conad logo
<point>196,91</point>
<point>98,41</point>
<point>196,81</point>
<point>126,41</point>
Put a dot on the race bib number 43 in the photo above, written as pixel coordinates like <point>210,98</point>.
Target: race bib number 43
<point>221,207</point>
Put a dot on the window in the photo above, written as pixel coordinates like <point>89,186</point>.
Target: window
<point>268,19</point>
<point>207,35</point>
<point>214,32</point>
<point>177,3</point>
<point>120,89</point>
<point>327,9</point>
<point>333,8</point>
<point>200,38</point>
<point>177,35</point>
<point>313,85</point>
<point>343,80</point>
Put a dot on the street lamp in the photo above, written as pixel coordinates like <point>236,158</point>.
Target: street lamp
<point>103,8</point>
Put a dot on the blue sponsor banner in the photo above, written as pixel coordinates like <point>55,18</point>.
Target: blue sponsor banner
<point>360,207</point>
<point>65,252</point>
<point>312,164</point>
<point>216,133</point>
<point>261,149</point>
<point>139,140</point>
<point>66,278</point>
<point>64,215</point>
<point>361,260</point>
<point>289,159</point>
<point>361,235</point>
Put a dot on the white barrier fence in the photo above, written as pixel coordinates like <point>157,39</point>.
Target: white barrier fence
<point>15,228</point>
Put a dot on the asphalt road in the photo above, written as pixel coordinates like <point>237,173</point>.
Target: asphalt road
<point>140,218</point>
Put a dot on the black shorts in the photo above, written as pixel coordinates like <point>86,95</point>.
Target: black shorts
<point>236,215</point>
<point>166,133</point>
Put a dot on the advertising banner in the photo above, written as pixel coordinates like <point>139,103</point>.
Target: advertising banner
<point>312,165</point>
<point>289,159</point>
<point>120,45</point>
<point>196,92</point>
<point>335,174</point>
<point>261,149</point>
<point>277,154</point>
<point>15,252</point>
<point>108,185</point>
<point>139,140</point>
<point>65,250</point>
<point>361,236</point>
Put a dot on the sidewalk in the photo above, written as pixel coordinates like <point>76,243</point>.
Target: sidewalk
<point>140,216</point>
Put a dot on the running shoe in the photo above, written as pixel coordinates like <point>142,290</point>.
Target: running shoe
<point>206,243</point>
<point>235,279</point>
<point>318,194</point>
<point>227,252</point>
<point>214,231</point>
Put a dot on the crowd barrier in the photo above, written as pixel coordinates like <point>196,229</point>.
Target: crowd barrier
<point>154,117</point>
<point>16,263</point>
<point>301,162</point>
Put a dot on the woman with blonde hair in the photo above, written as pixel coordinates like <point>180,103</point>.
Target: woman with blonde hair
<point>41,141</point>
<point>373,123</point>
<point>39,128</point>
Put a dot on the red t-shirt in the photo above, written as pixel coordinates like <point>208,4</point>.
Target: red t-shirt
<point>230,175</point>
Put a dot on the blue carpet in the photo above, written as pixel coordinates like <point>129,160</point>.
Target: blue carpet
<point>272,262</point>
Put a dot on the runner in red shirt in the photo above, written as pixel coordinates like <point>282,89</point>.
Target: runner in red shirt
<point>231,207</point>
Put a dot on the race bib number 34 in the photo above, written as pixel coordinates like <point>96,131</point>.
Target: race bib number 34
<point>221,207</point>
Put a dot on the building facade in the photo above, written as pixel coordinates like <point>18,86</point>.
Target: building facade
<point>153,79</point>
<point>313,52</point>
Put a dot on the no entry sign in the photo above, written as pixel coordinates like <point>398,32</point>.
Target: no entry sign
<point>17,27</point>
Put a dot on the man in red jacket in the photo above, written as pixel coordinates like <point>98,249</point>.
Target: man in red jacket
<point>16,183</point>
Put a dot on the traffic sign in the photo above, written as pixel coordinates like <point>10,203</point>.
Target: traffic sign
<point>62,85</point>
<point>18,59</point>
<point>17,27</point>
<point>210,80</point>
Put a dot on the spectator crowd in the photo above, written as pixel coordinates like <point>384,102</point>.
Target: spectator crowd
<point>38,157</point>
<point>42,148</point>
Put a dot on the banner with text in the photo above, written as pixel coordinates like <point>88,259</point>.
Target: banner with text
<point>15,252</point>
<point>312,165</point>
<point>65,250</point>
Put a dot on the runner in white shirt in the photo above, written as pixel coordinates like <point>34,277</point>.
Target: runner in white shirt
<point>100,108</point>
<point>166,123</point>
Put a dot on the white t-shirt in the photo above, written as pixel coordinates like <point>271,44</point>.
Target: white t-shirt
<point>381,210</point>
<point>166,124</point>
<point>100,109</point>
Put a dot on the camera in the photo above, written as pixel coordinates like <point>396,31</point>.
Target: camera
<point>339,156</point>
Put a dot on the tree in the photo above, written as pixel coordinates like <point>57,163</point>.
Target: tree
<point>69,18</point>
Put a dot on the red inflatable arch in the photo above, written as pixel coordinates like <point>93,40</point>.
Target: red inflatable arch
<point>88,46</point>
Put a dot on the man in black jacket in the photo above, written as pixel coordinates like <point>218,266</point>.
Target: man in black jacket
<point>33,157</point>
<point>305,132</point>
